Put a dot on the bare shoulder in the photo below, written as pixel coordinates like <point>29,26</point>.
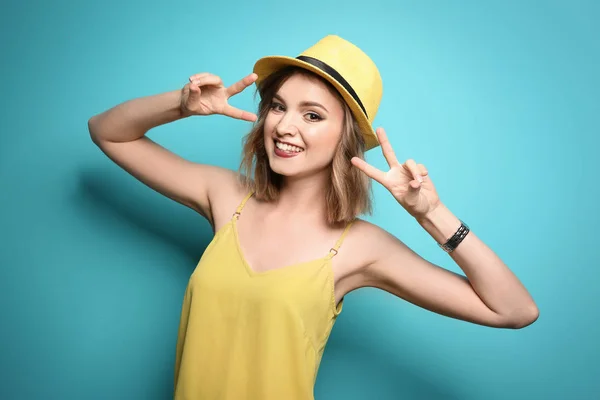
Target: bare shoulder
<point>361,247</point>
<point>225,196</point>
<point>201,187</point>
<point>365,240</point>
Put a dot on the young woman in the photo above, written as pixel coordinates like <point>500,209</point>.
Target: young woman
<point>288,245</point>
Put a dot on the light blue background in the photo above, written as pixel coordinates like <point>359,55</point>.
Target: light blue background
<point>499,99</point>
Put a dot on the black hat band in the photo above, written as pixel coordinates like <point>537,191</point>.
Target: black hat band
<point>335,75</point>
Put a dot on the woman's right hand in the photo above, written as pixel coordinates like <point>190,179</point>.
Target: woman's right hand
<point>206,95</point>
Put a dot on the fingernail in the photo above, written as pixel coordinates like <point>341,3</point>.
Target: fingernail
<point>420,178</point>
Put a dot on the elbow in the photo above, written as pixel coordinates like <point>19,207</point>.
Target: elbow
<point>92,129</point>
<point>525,317</point>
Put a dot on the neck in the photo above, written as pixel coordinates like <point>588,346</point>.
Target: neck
<point>304,196</point>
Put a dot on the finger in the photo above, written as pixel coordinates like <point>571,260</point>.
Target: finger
<point>241,85</point>
<point>386,147</point>
<point>197,76</point>
<point>368,169</point>
<point>422,170</point>
<point>233,112</point>
<point>414,186</point>
<point>208,79</point>
<point>193,88</point>
<point>411,165</point>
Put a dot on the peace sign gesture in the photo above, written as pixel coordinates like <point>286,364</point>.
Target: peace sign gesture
<point>206,94</point>
<point>409,183</point>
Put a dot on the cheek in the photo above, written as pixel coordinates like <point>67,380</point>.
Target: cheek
<point>324,139</point>
<point>268,128</point>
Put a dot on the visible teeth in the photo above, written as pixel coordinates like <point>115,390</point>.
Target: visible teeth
<point>287,147</point>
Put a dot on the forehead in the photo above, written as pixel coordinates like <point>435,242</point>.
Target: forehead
<point>300,87</point>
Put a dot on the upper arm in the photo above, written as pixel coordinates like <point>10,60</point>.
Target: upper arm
<point>184,181</point>
<point>397,269</point>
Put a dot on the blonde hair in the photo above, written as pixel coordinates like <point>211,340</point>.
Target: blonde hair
<point>349,192</point>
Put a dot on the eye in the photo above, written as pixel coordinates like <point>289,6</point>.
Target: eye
<point>314,116</point>
<point>277,106</point>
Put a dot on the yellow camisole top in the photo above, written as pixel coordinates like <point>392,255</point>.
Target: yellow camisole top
<point>253,335</point>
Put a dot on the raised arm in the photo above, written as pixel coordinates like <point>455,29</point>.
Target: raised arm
<point>120,132</point>
<point>489,293</point>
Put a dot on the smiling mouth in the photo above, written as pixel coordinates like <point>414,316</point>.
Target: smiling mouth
<point>288,148</point>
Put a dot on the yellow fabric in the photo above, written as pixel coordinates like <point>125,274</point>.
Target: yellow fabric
<point>253,335</point>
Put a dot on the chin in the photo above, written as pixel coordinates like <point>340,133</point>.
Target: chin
<point>285,167</point>
<point>297,168</point>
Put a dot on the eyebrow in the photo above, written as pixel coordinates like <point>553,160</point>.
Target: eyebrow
<point>304,103</point>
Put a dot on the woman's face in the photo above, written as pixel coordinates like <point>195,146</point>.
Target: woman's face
<point>303,127</point>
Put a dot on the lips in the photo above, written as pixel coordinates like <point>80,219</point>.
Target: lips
<point>286,150</point>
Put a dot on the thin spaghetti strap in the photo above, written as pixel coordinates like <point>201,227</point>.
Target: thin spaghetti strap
<point>237,212</point>
<point>334,250</point>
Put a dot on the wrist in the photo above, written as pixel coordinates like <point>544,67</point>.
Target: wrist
<point>178,105</point>
<point>440,223</point>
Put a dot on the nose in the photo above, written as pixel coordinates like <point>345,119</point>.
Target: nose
<point>286,125</point>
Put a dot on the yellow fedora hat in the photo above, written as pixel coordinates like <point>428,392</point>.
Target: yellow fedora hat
<point>347,68</point>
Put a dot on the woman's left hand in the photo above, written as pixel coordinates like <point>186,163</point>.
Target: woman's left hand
<point>409,183</point>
